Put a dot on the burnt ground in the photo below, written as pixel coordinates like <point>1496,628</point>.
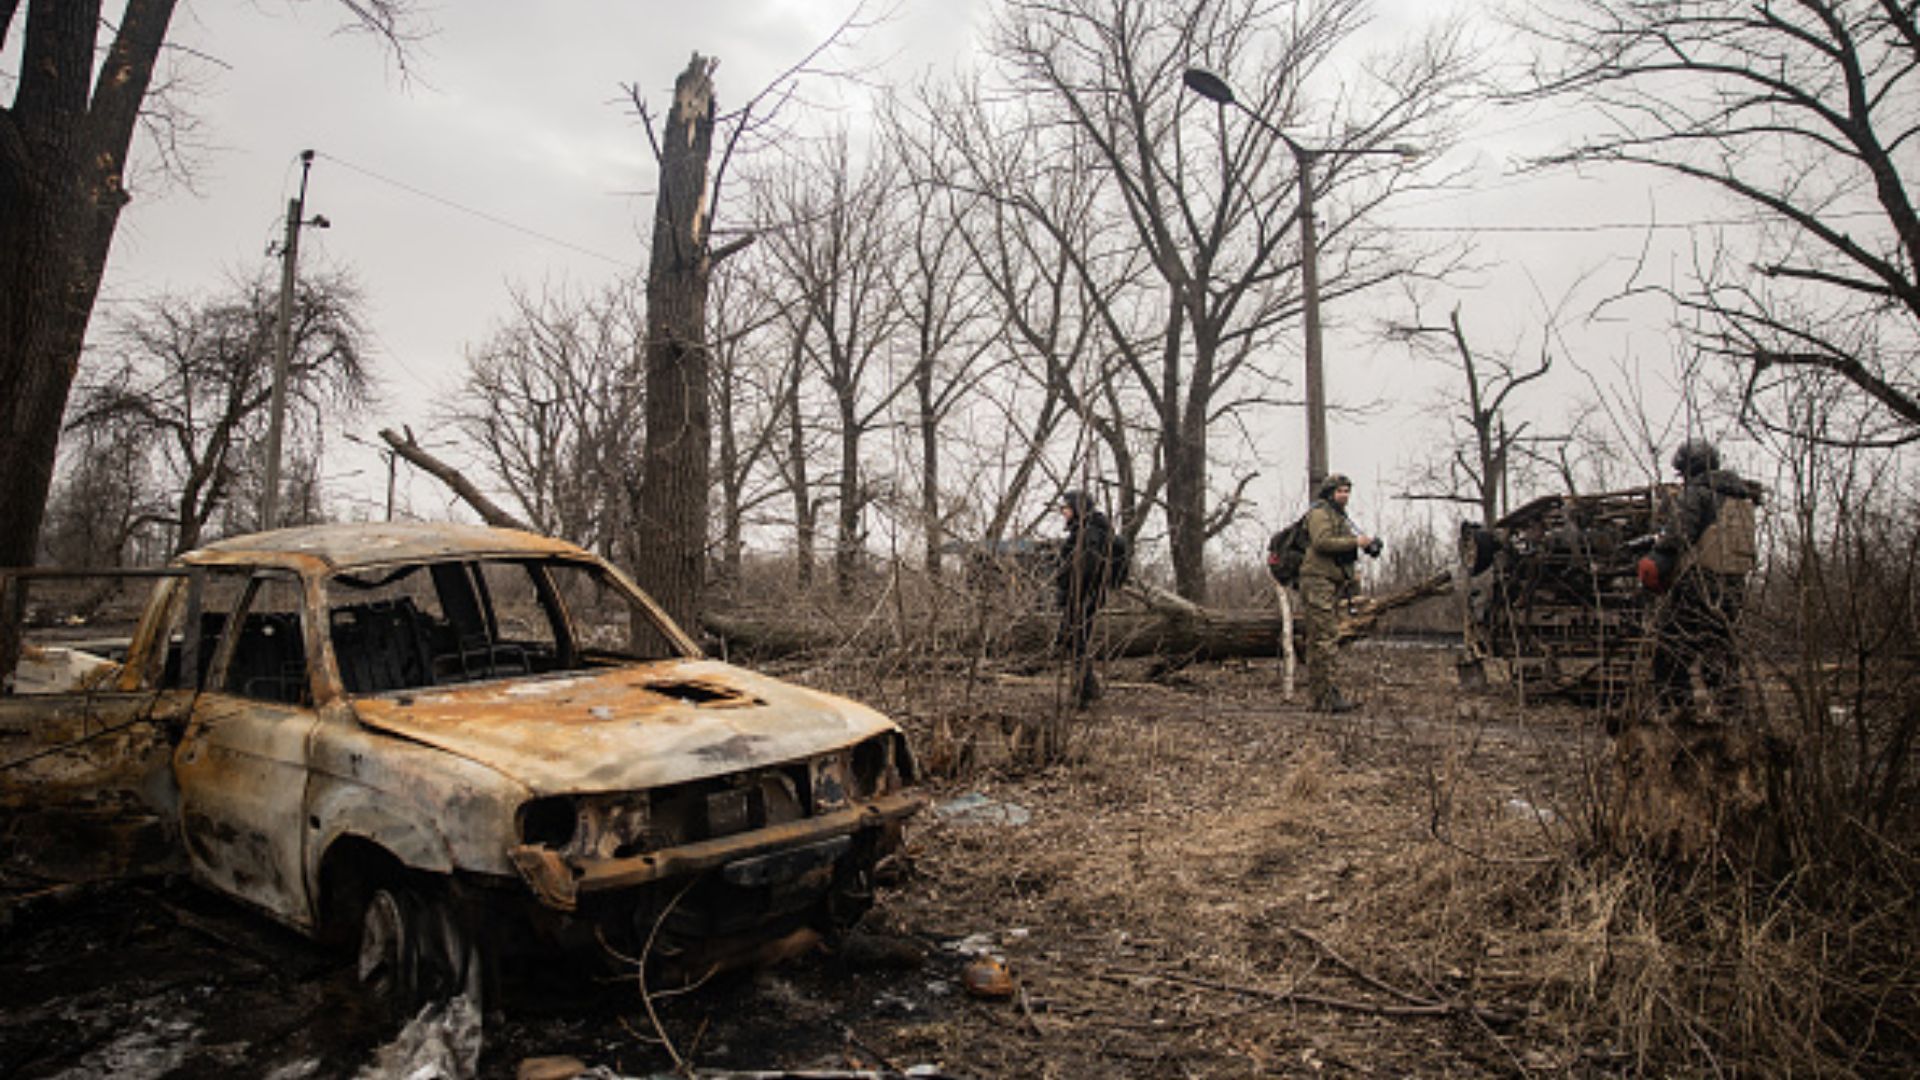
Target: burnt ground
<point>1214,883</point>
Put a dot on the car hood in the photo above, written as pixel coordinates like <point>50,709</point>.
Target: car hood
<point>625,728</point>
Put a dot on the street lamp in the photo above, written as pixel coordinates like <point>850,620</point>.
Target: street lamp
<point>1215,89</point>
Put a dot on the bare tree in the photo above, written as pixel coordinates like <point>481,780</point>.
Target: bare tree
<point>1475,471</point>
<point>749,373</point>
<point>64,143</point>
<point>1051,263</point>
<point>945,307</point>
<point>553,402</point>
<point>672,501</point>
<point>834,243</point>
<point>1106,75</point>
<point>190,383</point>
<point>103,498</point>
<point>1798,113</point>
<point>794,451</point>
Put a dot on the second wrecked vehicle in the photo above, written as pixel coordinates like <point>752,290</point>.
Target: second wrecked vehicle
<point>427,742</point>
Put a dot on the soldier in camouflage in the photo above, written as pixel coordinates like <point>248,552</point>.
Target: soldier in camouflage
<point>1081,576</point>
<point>1327,577</point>
<point>1705,550</point>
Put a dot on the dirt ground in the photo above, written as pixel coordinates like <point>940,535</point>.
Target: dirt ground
<point>1215,883</point>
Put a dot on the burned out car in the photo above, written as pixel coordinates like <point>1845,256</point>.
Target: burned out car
<point>454,744</point>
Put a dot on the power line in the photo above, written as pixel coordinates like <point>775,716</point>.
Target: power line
<point>1614,226</point>
<point>481,214</point>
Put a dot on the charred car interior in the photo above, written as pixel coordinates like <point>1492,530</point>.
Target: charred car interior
<point>449,748</point>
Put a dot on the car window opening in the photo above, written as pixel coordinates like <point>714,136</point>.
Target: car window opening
<point>471,620</point>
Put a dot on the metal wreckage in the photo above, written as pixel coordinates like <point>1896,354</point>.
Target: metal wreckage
<point>440,745</point>
<point>1552,593</point>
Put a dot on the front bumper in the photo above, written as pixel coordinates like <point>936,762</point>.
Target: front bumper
<point>559,881</point>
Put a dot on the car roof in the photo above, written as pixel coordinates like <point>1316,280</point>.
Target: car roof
<point>339,546</point>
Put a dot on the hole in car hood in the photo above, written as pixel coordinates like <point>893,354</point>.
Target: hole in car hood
<point>698,692</point>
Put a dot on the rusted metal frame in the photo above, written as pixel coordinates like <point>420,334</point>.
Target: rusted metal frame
<point>559,881</point>
<point>312,565</point>
<point>190,643</point>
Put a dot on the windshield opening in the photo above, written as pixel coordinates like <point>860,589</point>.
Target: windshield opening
<point>441,623</point>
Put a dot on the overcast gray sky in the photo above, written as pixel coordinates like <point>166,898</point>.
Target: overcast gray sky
<point>511,156</point>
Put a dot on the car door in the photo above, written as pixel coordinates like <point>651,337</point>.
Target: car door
<point>242,764</point>
<point>87,718</point>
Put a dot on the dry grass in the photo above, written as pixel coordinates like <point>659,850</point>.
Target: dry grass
<point>1215,884</point>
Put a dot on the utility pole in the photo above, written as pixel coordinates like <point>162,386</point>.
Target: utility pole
<point>283,342</point>
<point>1316,382</point>
<point>1215,89</point>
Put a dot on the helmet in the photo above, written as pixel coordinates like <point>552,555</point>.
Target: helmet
<point>1332,483</point>
<point>1695,456</point>
<point>1077,501</point>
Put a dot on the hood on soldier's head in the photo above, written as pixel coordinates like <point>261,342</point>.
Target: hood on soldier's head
<point>1077,501</point>
<point>1332,483</point>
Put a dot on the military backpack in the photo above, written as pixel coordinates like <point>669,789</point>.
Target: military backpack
<point>1286,551</point>
<point>1728,545</point>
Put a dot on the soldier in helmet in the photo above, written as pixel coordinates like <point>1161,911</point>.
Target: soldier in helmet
<point>1705,550</point>
<point>1328,576</point>
<point>1080,584</point>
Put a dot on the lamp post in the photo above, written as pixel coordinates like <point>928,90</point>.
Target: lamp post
<point>283,341</point>
<point>1215,89</point>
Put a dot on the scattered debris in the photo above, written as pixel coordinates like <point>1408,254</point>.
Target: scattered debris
<point>441,1043</point>
<point>1524,808</point>
<point>988,977</point>
<point>976,809</point>
<point>550,1068</point>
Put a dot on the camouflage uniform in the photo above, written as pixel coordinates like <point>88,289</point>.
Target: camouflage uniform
<point>1080,586</point>
<point>1708,539</point>
<point>1327,576</point>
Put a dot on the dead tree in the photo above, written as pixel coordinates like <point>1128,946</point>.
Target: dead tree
<point>1478,472</point>
<point>672,505</point>
<point>832,234</point>
<point>1797,114</point>
<point>552,402</point>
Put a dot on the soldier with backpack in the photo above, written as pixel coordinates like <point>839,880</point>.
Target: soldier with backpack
<point>1092,559</point>
<point>1705,550</point>
<point>1327,574</point>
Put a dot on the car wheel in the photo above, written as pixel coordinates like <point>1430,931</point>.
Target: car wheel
<point>413,950</point>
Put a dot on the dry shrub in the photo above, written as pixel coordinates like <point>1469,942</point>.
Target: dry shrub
<point>1716,975</point>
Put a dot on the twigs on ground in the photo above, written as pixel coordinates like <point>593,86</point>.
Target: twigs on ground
<point>1410,1006</point>
<point>1354,969</point>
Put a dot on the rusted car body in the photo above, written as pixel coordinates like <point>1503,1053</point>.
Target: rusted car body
<point>1553,593</point>
<point>436,738</point>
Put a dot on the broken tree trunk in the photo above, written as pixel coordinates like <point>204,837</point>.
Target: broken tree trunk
<point>416,455</point>
<point>672,510</point>
<point>1169,626</point>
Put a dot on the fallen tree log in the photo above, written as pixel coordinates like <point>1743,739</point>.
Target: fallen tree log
<point>1158,624</point>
